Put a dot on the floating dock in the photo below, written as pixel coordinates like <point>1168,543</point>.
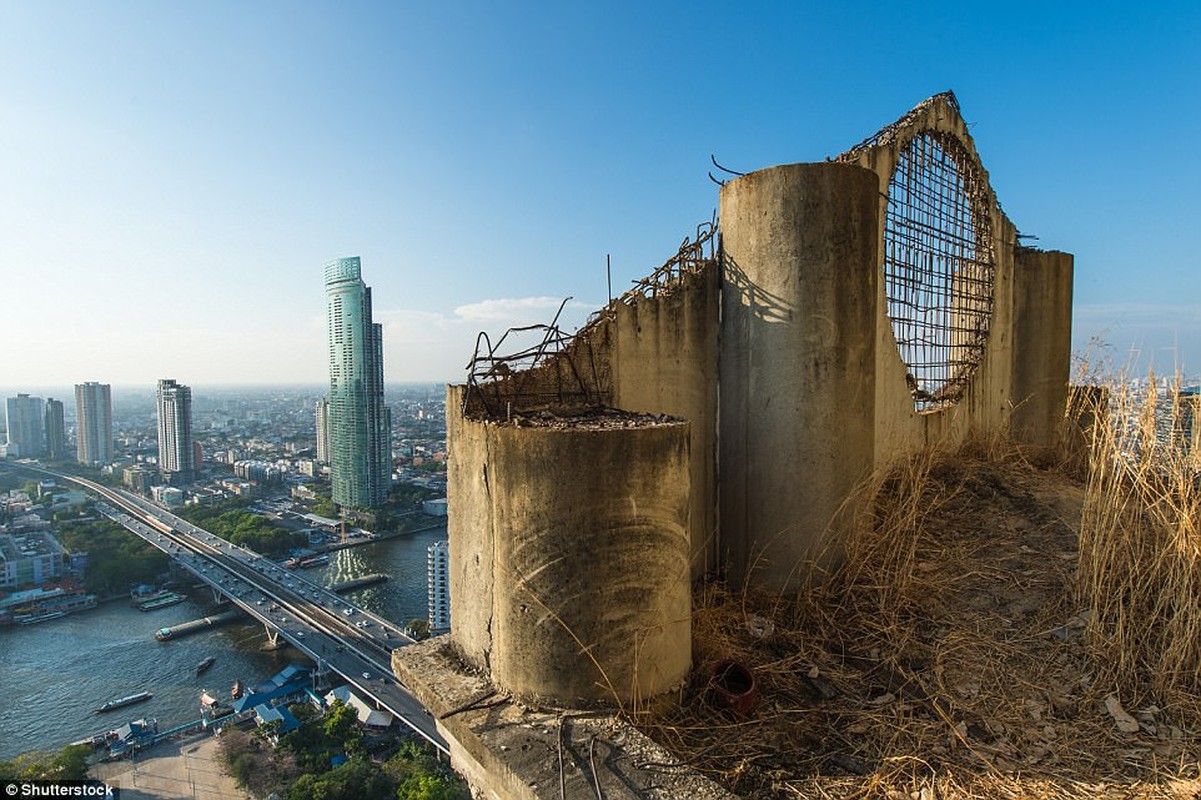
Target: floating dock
<point>359,583</point>
<point>197,625</point>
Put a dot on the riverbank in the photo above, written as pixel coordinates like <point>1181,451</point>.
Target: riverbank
<point>175,770</point>
<point>439,522</point>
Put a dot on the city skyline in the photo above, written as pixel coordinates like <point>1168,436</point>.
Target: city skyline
<point>485,161</point>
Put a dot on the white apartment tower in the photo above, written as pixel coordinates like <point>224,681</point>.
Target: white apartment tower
<point>176,456</point>
<point>25,419</point>
<point>439,586</point>
<point>93,423</point>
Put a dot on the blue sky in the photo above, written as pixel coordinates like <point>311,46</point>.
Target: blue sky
<point>175,175</point>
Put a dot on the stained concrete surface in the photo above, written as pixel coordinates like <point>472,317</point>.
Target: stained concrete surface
<point>508,751</point>
<point>177,769</point>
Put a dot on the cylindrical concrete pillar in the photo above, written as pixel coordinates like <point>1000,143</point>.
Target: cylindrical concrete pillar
<point>797,361</point>
<point>1042,345</point>
<point>591,580</point>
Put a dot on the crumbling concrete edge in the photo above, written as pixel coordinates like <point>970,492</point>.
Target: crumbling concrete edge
<point>507,751</point>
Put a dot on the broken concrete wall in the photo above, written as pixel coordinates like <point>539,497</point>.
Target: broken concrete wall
<point>653,353</point>
<point>814,386</point>
<point>1042,348</point>
<point>987,400</point>
<point>664,361</point>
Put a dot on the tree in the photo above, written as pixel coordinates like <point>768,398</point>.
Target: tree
<point>355,780</point>
<point>68,764</point>
<point>431,787</point>
<point>342,725</point>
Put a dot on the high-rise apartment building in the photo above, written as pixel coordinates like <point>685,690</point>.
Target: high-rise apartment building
<point>360,425</point>
<point>56,430</point>
<point>26,425</point>
<point>439,586</point>
<point>322,413</point>
<point>176,455</point>
<point>93,423</point>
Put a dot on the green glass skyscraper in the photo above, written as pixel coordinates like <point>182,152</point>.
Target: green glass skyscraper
<point>360,425</point>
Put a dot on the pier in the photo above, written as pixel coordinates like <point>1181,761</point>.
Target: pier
<point>197,625</point>
<point>358,583</point>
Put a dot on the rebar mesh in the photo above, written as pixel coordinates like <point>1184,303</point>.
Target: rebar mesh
<point>938,266</point>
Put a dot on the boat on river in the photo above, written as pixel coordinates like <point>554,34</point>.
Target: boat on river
<point>205,664</point>
<point>121,702</point>
<point>159,600</point>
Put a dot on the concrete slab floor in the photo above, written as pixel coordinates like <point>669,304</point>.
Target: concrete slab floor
<point>171,771</point>
<point>510,752</point>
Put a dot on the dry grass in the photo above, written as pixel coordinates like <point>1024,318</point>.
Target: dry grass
<point>954,655</point>
<point>1140,554</point>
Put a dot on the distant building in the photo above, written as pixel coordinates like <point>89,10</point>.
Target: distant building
<point>435,507</point>
<point>56,430</point>
<point>280,716</point>
<point>439,586</point>
<point>139,478</point>
<point>373,718</point>
<point>176,453</point>
<point>322,414</point>
<point>167,496</point>
<point>29,558</point>
<point>360,425</point>
<point>26,425</point>
<point>93,423</point>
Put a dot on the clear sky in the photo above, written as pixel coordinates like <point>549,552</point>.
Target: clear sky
<point>174,175</point>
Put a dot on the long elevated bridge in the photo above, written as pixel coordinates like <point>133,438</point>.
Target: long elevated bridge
<point>338,635</point>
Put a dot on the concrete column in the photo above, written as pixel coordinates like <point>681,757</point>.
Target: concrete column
<point>591,584</point>
<point>665,362</point>
<point>470,531</point>
<point>797,360</point>
<point>1042,345</point>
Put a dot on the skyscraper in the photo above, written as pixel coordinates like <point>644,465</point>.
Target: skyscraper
<point>360,424</point>
<point>439,585</point>
<point>56,431</point>
<point>93,423</point>
<point>322,413</point>
<point>176,455</point>
<point>26,424</point>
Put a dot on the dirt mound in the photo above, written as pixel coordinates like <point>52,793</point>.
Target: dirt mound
<point>947,658</point>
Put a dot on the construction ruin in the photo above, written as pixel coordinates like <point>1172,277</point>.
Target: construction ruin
<point>715,419</point>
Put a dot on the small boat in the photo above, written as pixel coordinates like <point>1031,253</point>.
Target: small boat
<point>205,664</point>
<point>159,600</point>
<point>121,702</point>
<point>33,619</point>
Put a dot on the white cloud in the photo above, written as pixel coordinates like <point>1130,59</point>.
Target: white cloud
<point>521,310</point>
<point>424,345</point>
<point>1140,314</point>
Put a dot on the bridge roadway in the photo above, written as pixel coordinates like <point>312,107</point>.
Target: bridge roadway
<point>335,633</point>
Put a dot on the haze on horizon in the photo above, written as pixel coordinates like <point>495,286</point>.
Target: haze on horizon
<point>177,175</point>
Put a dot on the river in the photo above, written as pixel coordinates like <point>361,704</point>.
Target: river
<point>52,675</point>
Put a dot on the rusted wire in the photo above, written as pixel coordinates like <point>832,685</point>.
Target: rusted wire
<point>498,380</point>
<point>938,266</point>
<point>490,366</point>
<point>693,256</point>
<point>889,133</point>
